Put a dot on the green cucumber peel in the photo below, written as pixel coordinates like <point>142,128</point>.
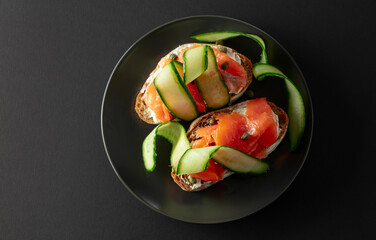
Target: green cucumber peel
<point>211,86</point>
<point>216,36</point>
<point>148,150</point>
<point>195,62</point>
<point>295,109</point>
<point>175,134</point>
<point>174,93</point>
<point>196,160</point>
<point>185,160</point>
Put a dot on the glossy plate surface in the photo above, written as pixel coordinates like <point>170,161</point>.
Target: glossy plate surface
<point>123,132</point>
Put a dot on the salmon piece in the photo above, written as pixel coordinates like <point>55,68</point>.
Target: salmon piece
<point>260,117</point>
<point>234,83</point>
<point>258,122</point>
<point>235,75</point>
<point>214,172</point>
<point>206,137</point>
<point>156,104</point>
<point>201,132</point>
<point>231,128</point>
<point>200,143</point>
<point>234,68</point>
<point>193,90</point>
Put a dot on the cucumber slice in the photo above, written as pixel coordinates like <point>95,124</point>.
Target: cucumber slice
<point>197,159</point>
<point>296,112</point>
<point>194,63</point>
<point>174,133</point>
<point>185,160</point>
<point>148,150</point>
<point>216,36</point>
<point>175,94</point>
<point>295,108</point>
<point>262,70</point>
<point>211,85</point>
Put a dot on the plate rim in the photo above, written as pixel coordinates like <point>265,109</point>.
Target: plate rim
<point>184,19</point>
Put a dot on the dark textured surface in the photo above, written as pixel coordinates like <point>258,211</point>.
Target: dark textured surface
<point>55,179</point>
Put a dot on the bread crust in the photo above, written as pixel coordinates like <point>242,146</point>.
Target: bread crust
<point>142,109</point>
<point>183,180</point>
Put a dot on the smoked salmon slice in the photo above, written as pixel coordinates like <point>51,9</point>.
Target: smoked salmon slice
<point>251,133</point>
<point>260,116</point>
<point>156,104</point>
<point>193,90</point>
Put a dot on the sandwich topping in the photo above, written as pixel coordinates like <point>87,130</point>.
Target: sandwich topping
<point>232,72</point>
<point>250,133</point>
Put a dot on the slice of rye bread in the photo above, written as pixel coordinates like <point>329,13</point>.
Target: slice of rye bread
<point>185,182</point>
<point>144,112</point>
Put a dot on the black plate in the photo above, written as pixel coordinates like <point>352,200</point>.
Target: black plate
<point>123,132</point>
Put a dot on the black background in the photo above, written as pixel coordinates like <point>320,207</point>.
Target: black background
<point>55,60</point>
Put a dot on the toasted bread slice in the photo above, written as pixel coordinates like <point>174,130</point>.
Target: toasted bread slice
<point>147,115</point>
<point>188,183</point>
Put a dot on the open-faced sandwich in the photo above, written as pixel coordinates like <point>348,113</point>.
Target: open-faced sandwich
<point>224,75</point>
<point>255,127</point>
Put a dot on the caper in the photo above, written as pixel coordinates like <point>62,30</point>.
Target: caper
<point>173,56</point>
<point>211,121</point>
<point>222,49</point>
<point>219,42</point>
<point>245,136</point>
<point>224,65</point>
<point>192,180</point>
